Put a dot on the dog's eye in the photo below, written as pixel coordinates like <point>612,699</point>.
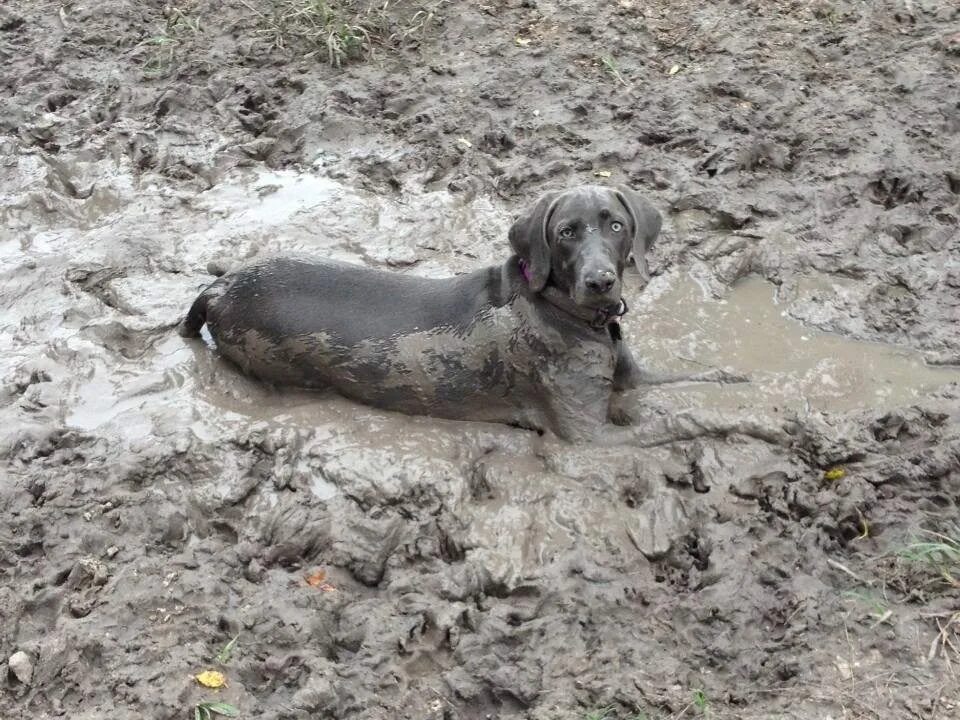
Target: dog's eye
<point>566,233</point>
<point>616,226</point>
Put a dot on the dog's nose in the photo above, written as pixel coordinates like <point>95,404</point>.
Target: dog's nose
<point>601,282</point>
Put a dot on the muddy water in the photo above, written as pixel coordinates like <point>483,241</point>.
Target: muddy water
<point>679,324</point>
<point>675,324</point>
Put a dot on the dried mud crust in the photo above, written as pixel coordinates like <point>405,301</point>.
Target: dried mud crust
<point>483,574</point>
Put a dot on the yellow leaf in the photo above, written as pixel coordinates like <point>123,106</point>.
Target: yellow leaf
<point>522,42</point>
<point>835,473</point>
<point>603,173</point>
<point>212,679</point>
<point>317,578</point>
<point>674,70</point>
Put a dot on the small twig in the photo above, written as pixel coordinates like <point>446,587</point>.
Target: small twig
<point>843,568</point>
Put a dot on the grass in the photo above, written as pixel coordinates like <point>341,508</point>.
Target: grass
<point>337,30</point>
<point>610,65</point>
<point>163,48</point>
<point>940,556</point>
<point>700,702</point>
<point>939,560</point>
<point>340,31</point>
<point>878,608</point>
<point>223,657</point>
<point>208,710</point>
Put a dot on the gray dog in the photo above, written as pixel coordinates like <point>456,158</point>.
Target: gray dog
<point>534,342</point>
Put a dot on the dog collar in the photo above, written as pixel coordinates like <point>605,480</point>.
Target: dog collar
<point>597,319</point>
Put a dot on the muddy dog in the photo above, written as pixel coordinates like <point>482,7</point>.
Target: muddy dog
<point>534,342</point>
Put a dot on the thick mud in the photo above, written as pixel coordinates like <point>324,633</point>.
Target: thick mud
<point>157,504</point>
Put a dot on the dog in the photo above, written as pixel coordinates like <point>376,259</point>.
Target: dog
<point>534,342</point>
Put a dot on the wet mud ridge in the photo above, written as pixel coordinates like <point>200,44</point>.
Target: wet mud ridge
<point>163,515</point>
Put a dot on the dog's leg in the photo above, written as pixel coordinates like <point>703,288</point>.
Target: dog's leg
<point>682,427</point>
<point>693,424</point>
<point>716,375</point>
<point>627,375</point>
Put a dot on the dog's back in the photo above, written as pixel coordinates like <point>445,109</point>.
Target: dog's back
<point>443,347</point>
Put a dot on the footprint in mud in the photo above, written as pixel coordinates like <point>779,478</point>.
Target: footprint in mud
<point>660,522</point>
<point>893,191</point>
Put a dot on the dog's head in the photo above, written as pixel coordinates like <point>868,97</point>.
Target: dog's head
<point>580,241</point>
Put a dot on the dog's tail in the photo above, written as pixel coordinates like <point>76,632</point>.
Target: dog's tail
<point>197,315</point>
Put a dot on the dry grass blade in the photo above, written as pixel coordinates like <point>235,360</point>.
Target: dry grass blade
<point>947,641</point>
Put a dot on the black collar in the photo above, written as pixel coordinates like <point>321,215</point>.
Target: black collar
<point>597,318</point>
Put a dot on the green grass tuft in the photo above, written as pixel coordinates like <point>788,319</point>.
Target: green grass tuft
<point>223,657</point>
<point>341,31</point>
<point>941,556</point>
<point>209,710</point>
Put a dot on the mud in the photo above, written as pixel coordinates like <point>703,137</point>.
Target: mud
<point>157,504</point>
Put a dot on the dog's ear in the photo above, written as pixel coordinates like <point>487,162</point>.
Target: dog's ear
<point>528,238</point>
<point>646,224</point>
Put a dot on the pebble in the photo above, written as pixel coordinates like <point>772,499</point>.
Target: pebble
<point>21,667</point>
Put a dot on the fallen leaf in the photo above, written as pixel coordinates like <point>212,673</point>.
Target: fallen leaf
<point>212,679</point>
<point>674,70</point>
<point>522,42</point>
<point>836,473</point>
<point>317,578</point>
<point>603,173</point>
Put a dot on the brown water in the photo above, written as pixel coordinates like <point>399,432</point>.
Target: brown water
<point>675,325</point>
<point>679,325</point>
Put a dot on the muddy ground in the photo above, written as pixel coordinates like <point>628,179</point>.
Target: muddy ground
<point>156,504</point>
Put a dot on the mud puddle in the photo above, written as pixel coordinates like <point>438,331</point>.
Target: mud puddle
<point>678,325</point>
<point>675,324</point>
